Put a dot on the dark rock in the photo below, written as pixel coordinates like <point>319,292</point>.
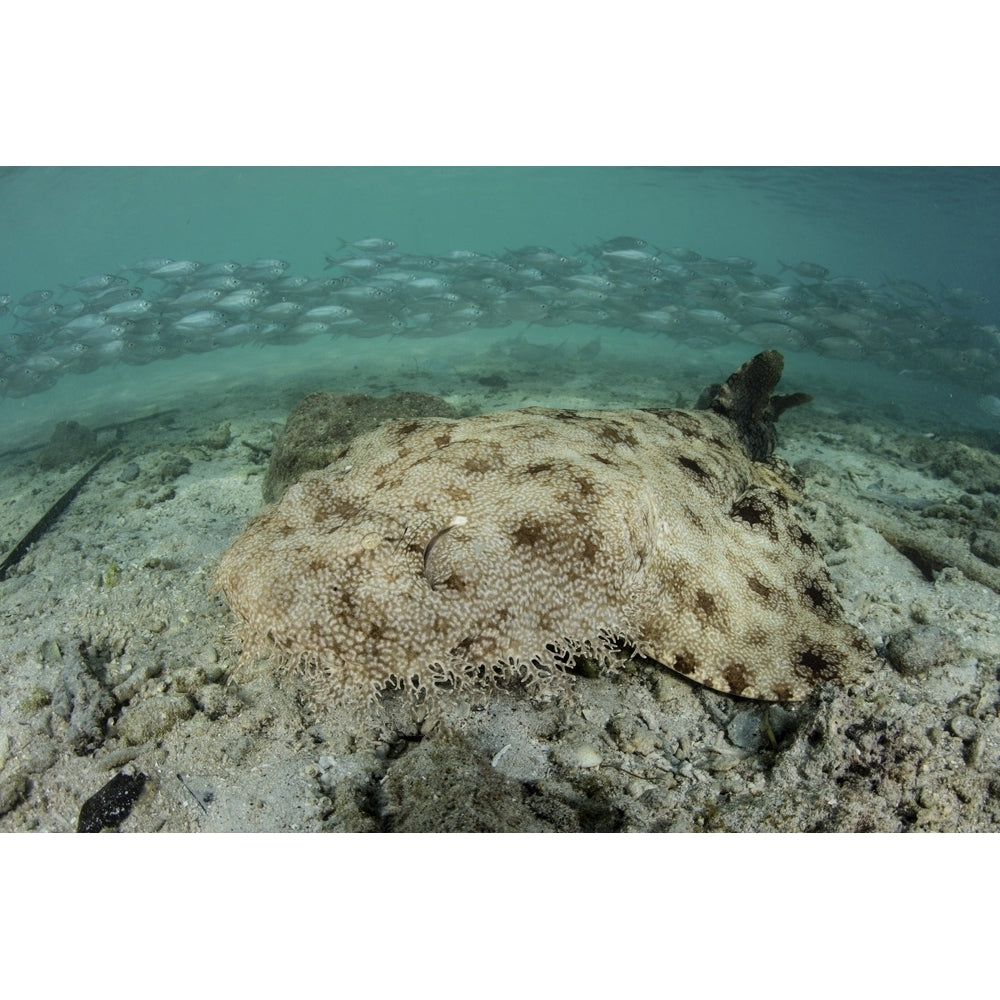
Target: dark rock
<point>110,807</point>
<point>985,545</point>
<point>446,785</point>
<point>70,443</point>
<point>217,438</point>
<point>921,648</point>
<point>13,791</point>
<point>319,427</point>
<point>82,700</point>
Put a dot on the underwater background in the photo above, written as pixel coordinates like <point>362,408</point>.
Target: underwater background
<point>937,227</point>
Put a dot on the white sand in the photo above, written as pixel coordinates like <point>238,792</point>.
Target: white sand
<point>97,677</point>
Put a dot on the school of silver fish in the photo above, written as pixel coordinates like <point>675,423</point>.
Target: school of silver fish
<point>160,308</point>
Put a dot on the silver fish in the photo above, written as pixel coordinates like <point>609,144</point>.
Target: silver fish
<point>223,282</point>
<point>95,283</point>
<point>416,263</point>
<point>37,314</point>
<point>373,244</point>
<point>268,272</point>
<point>622,243</point>
<point>459,256</point>
<point>805,269</point>
<point>222,267</point>
<point>112,296</point>
<point>42,362</point>
<point>316,288</point>
<point>265,263</point>
<point>20,380</point>
<point>632,258</point>
<point>360,294</point>
<point>199,298</point>
<point>659,320</point>
<point>68,353</point>
<point>519,308</point>
<point>206,319</point>
<point>149,264</point>
<point>281,310</point>
<point>429,284</point>
<point>326,314</point>
<point>909,289</point>
<point>990,404</point>
<point>101,334</point>
<point>110,351</point>
<point>682,254</point>
<point>587,314</point>
<point>290,283</point>
<point>586,295</point>
<point>176,269</point>
<point>738,263</point>
<point>597,281</point>
<point>962,298</point>
<point>241,300</point>
<point>363,267</point>
<point>710,317</point>
<point>130,307</point>
<point>773,335</point>
<point>89,321</point>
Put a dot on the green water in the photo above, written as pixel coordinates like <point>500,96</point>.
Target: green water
<point>66,221</point>
<point>58,224</point>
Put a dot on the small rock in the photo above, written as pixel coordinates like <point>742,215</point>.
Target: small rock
<point>49,652</point>
<point>916,650</point>
<point>578,755</point>
<point>13,791</point>
<point>322,423</point>
<point>127,689</point>
<point>985,545</point>
<point>153,717</point>
<point>70,443</point>
<point>129,474</point>
<point>631,734</point>
<point>214,701</point>
<point>217,438</point>
<point>111,805</point>
<point>35,700</point>
<point>80,697</point>
<point>963,727</point>
<point>746,730</point>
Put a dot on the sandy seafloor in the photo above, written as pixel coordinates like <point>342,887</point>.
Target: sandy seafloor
<point>114,655</point>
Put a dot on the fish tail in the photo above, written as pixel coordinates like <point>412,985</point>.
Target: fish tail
<point>784,266</point>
